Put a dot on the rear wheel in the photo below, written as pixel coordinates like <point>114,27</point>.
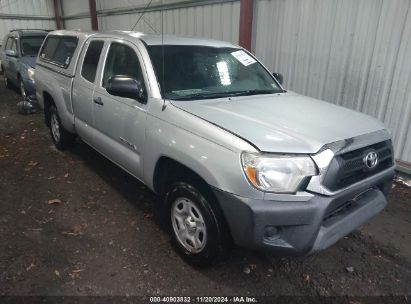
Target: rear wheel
<point>62,138</point>
<point>197,228</point>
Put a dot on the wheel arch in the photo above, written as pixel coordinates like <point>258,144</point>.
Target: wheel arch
<point>48,102</point>
<point>163,180</point>
<point>162,177</point>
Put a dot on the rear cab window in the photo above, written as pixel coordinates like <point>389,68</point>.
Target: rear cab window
<point>59,50</point>
<point>91,59</point>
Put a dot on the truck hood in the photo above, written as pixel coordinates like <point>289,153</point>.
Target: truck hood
<point>284,123</point>
<point>30,61</point>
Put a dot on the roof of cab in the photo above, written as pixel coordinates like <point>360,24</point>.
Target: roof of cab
<point>148,39</point>
<point>27,32</point>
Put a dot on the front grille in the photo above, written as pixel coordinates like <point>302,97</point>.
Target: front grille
<point>348,168</point>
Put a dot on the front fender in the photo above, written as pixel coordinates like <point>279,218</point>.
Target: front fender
<point>220,166</point>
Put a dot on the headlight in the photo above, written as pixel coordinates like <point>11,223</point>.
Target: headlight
<point>30,73</point>
<point>277,173</point>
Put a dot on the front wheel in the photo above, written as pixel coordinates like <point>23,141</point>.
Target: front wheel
<point>61,137</point>
<point>197,228</point>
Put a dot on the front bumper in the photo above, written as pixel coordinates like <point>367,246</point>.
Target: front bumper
<point>300,228</point>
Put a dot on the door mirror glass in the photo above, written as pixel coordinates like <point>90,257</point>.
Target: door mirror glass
<point>125,86</point>
<point>279,77</point>
<point>11,53</point>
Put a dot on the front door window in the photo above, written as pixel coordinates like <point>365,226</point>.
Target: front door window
<point>122,60</point>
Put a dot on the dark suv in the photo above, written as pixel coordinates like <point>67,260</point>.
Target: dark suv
<point>18,59</point>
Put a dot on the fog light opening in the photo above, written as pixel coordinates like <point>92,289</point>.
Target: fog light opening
<point>272,232</point>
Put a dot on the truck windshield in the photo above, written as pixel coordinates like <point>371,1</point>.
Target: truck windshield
<point>30,45</point>
<point>201,72</point>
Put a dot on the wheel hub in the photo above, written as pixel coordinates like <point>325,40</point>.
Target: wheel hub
<point>190,224</point>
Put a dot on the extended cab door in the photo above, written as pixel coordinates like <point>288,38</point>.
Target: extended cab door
<point>120,122</point>
<point>83,88</point>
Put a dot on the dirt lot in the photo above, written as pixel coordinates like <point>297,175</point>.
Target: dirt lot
<point>100,237</point>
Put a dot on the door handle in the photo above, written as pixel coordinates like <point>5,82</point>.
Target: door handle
<point>98,101</point>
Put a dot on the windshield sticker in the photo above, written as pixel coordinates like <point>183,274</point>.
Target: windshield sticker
<point>243,57</point>
<point>223,73</point>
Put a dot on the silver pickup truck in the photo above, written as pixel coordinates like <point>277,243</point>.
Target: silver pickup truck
<point>238,159</point>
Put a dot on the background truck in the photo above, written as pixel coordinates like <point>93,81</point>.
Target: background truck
<point>205,125</point>
<point>18,58</point>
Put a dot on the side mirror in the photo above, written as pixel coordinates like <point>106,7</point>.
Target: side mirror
<point>279,77</point>
<point>11,53</point>
<point>125,86</point>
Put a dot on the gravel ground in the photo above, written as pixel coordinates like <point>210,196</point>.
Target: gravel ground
<point>72,223</point>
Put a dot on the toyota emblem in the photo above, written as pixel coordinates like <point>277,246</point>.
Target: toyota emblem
<point>371,159</point>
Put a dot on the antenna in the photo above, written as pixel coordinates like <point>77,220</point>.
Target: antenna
<point>142,14</point>
<point>163,61</point>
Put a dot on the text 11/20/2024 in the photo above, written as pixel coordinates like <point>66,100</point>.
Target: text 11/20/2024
<point>203,299</point>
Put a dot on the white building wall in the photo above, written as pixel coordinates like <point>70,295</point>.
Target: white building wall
<point>355,53</point>
<point>218,21</point>
<point>41,11</point>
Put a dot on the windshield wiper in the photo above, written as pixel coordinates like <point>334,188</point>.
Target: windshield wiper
<point>254,92</point>
<point>202,96</point>
<point>226,94</point>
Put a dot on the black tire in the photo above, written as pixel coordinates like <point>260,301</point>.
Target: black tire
<point>62,139</point>
<point>217,242</point>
